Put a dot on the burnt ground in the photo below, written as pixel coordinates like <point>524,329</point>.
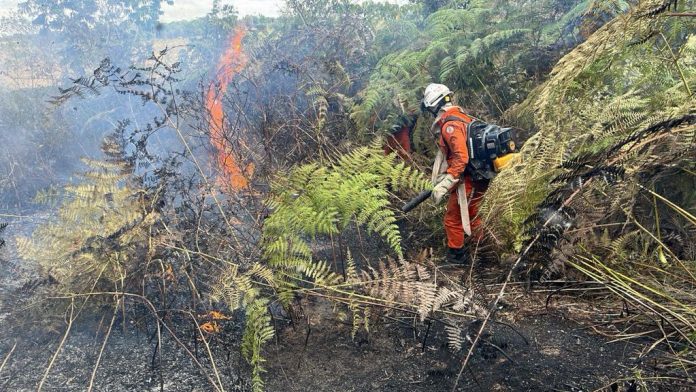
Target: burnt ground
<point>125,365</point>
<point>544,352</point>
<point>555,355</point>
<point>29,339</point>
<point>539,348</point>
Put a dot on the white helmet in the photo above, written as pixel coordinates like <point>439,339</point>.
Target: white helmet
<point>434,95</point>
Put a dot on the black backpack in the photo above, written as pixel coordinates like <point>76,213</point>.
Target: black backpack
<point>490,147</point>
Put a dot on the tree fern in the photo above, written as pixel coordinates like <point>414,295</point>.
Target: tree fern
<point>466,47</point>
<point>312,202</point>
<point>101,223</point>
<point>316,200</point>
<point>594,98</point>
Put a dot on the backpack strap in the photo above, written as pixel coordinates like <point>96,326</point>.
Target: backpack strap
<point>467,124</point>
<point>461,119</point>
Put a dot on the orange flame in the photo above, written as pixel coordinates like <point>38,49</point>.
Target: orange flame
<point>231,63</point>
<point>210,327</point>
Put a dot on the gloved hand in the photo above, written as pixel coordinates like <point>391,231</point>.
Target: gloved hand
<point>439,178</point>
<point>444,185</point>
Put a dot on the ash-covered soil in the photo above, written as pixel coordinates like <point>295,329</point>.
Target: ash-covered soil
<point>126,365</point>
<point>29,340</point>
<point>539,350</point>
<point>542,353</point>
<point>316,353</point>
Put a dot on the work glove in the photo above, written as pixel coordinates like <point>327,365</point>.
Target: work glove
<point>439,178</point>
<point>444,186</point>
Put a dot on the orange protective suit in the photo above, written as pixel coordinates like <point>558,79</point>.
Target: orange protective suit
<point>399,142</point>
<point>453,144</point>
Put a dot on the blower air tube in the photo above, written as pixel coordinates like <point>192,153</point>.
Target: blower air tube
<point>413,203</point>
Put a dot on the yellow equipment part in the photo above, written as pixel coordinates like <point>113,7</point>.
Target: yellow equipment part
<point>501,163</point>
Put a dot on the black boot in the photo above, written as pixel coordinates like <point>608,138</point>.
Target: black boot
<point>458,256</point>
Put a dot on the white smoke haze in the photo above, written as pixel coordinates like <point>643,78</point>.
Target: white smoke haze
<point>6,6</point>
<point>184,10</point>
<point>191,9</point>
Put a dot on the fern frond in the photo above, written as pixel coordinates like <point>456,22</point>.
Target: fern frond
<point>257,331</point>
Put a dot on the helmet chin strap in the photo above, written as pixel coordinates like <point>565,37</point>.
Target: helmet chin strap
<point>442,108</point>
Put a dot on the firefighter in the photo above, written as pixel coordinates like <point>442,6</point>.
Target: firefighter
<point>450,176</point>
<point>399,139</point>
